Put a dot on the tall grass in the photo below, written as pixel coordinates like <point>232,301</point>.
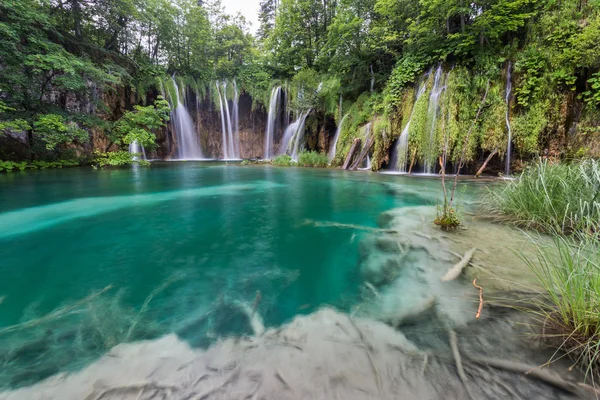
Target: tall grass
<point>312,159</point>
<point>568,270</point>
<point>283,161</point>
<point>562,198</point>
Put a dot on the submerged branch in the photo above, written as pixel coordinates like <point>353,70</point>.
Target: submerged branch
<point>456,270</point>
<point>58,313</point>
<point>329,224</point>
<point>536,372</point>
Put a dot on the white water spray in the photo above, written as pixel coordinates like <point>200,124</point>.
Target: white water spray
<point>333,147</point>
<point>223,125</point>
<point>400,155</point>
<point>270,130</point>
<point>188,146</point>
<point>230,146</point>
<point>372,79</point>
<point>136,149</point>
<point>293,136</point>
<point>432,113</point>
<point>229,127</point>
<point>507,100</point>
<point>236,121</point>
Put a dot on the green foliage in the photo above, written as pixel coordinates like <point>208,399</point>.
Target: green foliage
<point>562,198</point>
<point>312,159</point>
<point>53,131</point>
<point>447,217</point>
<point>592,96</point>
<point>568,309</point>
<point>404,73</point>
<point>283,161</point>
<point>138,125</point>
<point>8,166</point>
<point>116,159</point>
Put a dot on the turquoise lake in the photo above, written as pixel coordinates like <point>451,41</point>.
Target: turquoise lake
<point>219,235</point>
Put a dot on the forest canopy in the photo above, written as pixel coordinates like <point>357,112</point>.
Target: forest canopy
<point>54,51</point>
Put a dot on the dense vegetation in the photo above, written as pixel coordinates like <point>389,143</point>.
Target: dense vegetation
<point>72,69</point>
<point>562,200</point>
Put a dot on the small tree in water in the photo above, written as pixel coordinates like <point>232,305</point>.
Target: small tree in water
<point>447,216</point>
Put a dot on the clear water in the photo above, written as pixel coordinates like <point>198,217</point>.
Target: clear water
<point>229,230</point>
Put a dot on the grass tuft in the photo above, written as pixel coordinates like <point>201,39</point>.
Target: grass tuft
<point>312,159</point>
<point>568,310</point>
<point>283,161</point>
<point>561,198</point>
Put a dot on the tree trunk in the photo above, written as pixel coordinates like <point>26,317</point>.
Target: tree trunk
<point>351,153</point>
<point>363,153</point>
<point>412,160</point>
<point>487,160</point>
<point>77,18</point>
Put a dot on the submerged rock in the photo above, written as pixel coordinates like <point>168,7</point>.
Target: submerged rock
<point>324,355</point>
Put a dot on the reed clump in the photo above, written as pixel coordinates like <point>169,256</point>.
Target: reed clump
<point>313,159</point>
<point>568,310</point>
<point>283,161</point>
<point>551,197</point>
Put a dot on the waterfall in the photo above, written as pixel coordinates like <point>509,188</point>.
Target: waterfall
<point>340,107</point>
<point>230,146</point>
<point>400,154</point>
<point>236,121</point>
<point>333,147</point>
<point>507,100</point>
<point>372,79</point>
<point>293,135</point>
<point>188,146</point>
<point>368,164</point>
<point>299,136</point>
<point>223,128</point>
<point>269,131</point>
<point>229,125</point>
<point>134,148</point>
<point>432,112</point>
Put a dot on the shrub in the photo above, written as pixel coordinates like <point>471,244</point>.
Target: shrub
<point>283,161</point>
<point>447,217</point>
<point>312,159</point>
<point>568,270</point>
<point>116,159</point>
<point>8,166</point>
<point>559,198</point>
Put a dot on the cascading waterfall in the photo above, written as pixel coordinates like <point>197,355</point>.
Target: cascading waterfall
<point>136,149</point>
<point>400,155</point>
<point>299,136</point>
<point>507,100</point>
<point>366,140</point>
<point>230,146</point>
<point>333,147</point>
<point>236,121</point>
<point>292,136</point>
<point>367,164</point>
<point>229,127</point>
<point>432,113</point>
<point>372,79</point>
<point>188,146</point>
<point>269,131</point>
<point>223,125</point>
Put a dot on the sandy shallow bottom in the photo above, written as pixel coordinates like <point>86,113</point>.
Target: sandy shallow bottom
<point>394,345</point>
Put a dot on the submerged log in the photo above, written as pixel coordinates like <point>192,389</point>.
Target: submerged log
<point>455,271</point>
<point>485,163</point>
<point>363,153</point>
<point>355,144</point>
